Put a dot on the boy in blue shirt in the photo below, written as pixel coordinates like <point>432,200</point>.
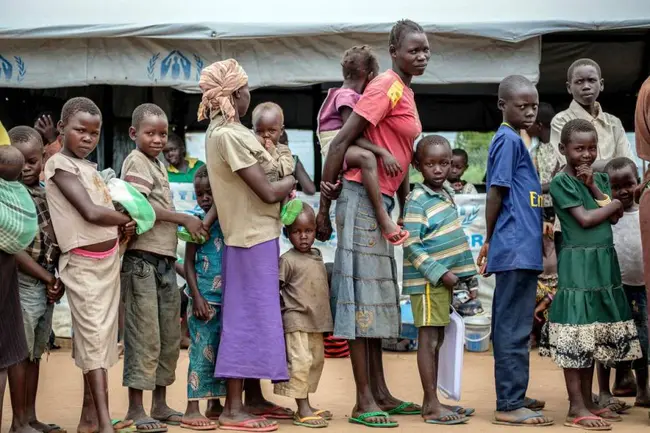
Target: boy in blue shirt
<point>513,250</point>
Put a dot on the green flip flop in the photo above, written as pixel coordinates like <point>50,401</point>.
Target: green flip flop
<point>361,419</point>
<point>401,409</point>
<point>290,211</point>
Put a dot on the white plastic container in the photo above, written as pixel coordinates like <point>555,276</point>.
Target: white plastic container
<point>450,362</point>
<point>477,333</point>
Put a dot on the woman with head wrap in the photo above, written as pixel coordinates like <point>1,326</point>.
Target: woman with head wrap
<point>252,340</point>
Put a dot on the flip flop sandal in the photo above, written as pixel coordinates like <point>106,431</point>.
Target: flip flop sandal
<point>521,422</point>
<point>290,211</point>
<point>462,420</point>
<point>602,413</point>
<point>460,410</point>
<point>302,422</point>
<point>361,419</point>
<point>276,412</point>
<point>323,411</point>
<point>401,409</point>
<point>53,428</point>
<point>246,426</point>
<point>403,236</point>
<point>166,420</point>
<point>114,422</point>
<point>149,421</point>
<point>575,423</point>
<point>189,426</point>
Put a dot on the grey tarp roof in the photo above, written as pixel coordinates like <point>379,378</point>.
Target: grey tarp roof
<point>507,20</point>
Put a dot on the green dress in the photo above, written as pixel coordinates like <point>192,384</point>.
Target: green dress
<point>589,317</point>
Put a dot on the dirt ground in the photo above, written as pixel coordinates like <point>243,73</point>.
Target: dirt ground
<point>59,399</point>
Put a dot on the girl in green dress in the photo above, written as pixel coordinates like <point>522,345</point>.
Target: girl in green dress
<point>589,318</point>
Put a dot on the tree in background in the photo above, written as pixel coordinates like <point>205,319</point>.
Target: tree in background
<point>476,145</point>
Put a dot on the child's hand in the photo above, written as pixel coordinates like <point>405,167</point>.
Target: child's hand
<point>450,280</point>
<point>586,174</point>
<point>195,227</point>
<point>201,308</point>
<point>323,227</point>
<point>331,191</point>
<point>547,230</point>
<point>55,291</point>
<point>481,260</point>
<point>268,144</point>
<point>391,166</point>
<point>541,307</point>
<point>46,127</point>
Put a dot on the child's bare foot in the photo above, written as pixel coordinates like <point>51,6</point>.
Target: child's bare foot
<point>144,422</point>
<point>308,418</point>
<point>45,428</point>
<point>214,409</point>
<point>605,400</point>
<point>624,384</point>
<point>193,420</point>
<point>436,413</point>
<point>165,414</point>
<point>584,418</point>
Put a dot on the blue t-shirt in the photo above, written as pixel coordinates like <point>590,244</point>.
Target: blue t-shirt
<point>517,239</point>
<point>208,266</point>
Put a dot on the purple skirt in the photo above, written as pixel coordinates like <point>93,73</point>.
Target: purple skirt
<point>252,337</point>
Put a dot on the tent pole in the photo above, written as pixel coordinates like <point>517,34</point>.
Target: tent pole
<point>317,100</point>
<point>108,126</point>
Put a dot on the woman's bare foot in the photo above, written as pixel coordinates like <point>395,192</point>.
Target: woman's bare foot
<point>589,420</point>
<point>194,418</point>
<point>359,410</point>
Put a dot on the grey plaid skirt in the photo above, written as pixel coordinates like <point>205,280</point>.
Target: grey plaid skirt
<point>365,293</point>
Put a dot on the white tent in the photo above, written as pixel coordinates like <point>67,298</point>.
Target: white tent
<point>281,43</point>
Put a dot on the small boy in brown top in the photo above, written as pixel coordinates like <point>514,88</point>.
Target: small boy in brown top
<point>152,311</point>
<point>306,315</point>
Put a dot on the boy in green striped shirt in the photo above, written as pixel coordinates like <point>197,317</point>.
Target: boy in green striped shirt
<point>436,259</point>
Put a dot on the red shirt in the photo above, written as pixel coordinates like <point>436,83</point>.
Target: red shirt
<point>389,105</point>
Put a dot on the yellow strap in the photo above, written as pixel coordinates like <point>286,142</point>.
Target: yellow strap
<point>604,202</point>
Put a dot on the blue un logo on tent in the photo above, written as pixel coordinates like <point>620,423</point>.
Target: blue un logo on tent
<point>12,70</point>
<point>468,214</point>
<point>175,66</point>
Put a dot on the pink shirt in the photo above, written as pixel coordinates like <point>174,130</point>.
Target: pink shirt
<point>329,117</point>
<point>389,105</point>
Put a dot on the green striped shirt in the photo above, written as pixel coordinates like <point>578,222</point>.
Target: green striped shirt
<point>437,243</point>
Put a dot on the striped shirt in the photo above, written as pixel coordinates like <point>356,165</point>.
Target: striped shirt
<point>437,243</point>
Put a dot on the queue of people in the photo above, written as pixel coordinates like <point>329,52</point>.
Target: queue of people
<point>563,231</point>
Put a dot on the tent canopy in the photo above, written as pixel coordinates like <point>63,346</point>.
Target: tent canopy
<point>166,43</point>
<point>504,20</point>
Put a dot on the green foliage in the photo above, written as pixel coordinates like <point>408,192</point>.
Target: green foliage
<point>476,145</point>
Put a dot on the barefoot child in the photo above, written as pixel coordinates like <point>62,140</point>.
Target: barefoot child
<point>203,272</point>
<point>624,179</point>
<point>359,66</point>
<point>459,164</point>
<point>39,287</point>
<point>152,299</point>
<point>87,228</point>
<point>18,226</point>
<point>590,318</point>
<point>306,315</point>
<point>513,249</point>
<point>268,125</point>
<point>436,259</point>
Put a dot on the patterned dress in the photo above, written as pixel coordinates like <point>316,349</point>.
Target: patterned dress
<point>590,317</point>
<point>205,336</point>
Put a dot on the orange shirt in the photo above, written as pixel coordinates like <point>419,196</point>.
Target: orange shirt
<point>389,106</point>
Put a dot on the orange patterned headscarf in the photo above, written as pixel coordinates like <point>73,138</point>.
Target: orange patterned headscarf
<point>218,82</point>
<point>642,121</point>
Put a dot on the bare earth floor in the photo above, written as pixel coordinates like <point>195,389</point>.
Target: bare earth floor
<point>60,394</point>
